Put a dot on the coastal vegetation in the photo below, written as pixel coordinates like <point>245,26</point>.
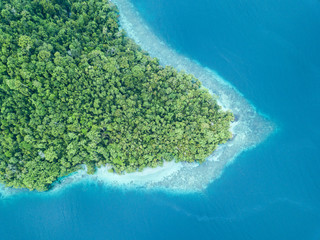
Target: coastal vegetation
<point>75,90</point>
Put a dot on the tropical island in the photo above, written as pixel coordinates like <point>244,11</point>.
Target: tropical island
<point>75,90</point>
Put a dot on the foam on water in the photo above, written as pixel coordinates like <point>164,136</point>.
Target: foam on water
<point>249,129</point>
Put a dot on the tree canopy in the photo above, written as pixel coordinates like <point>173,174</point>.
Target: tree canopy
<point>74,90</point>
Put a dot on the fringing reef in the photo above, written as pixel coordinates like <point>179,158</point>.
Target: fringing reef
<point>74,90</point>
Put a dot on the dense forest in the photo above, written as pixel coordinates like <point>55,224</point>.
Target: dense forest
<point>74,90</point>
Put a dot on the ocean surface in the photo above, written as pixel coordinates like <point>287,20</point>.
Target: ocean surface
<point>270,52</point>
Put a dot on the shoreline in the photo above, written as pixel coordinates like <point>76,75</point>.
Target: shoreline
<point>250,129</point>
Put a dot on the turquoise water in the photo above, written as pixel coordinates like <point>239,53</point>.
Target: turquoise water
<point>270,51</point>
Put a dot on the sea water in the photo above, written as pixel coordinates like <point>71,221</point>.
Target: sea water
<point>269,51</point>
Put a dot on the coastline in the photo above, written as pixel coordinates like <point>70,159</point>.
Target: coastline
<point>249,130</point>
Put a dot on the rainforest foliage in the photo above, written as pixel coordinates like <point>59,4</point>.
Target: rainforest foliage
<point>74,90</point>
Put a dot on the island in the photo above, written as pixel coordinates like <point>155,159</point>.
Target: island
<point>76,90</point>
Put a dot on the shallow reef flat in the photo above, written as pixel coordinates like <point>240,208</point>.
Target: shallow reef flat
<point>249,128</point>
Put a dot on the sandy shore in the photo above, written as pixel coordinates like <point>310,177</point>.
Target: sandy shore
<point>249,129</point>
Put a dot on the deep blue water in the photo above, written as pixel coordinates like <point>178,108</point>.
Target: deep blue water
<point>269,50</point>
